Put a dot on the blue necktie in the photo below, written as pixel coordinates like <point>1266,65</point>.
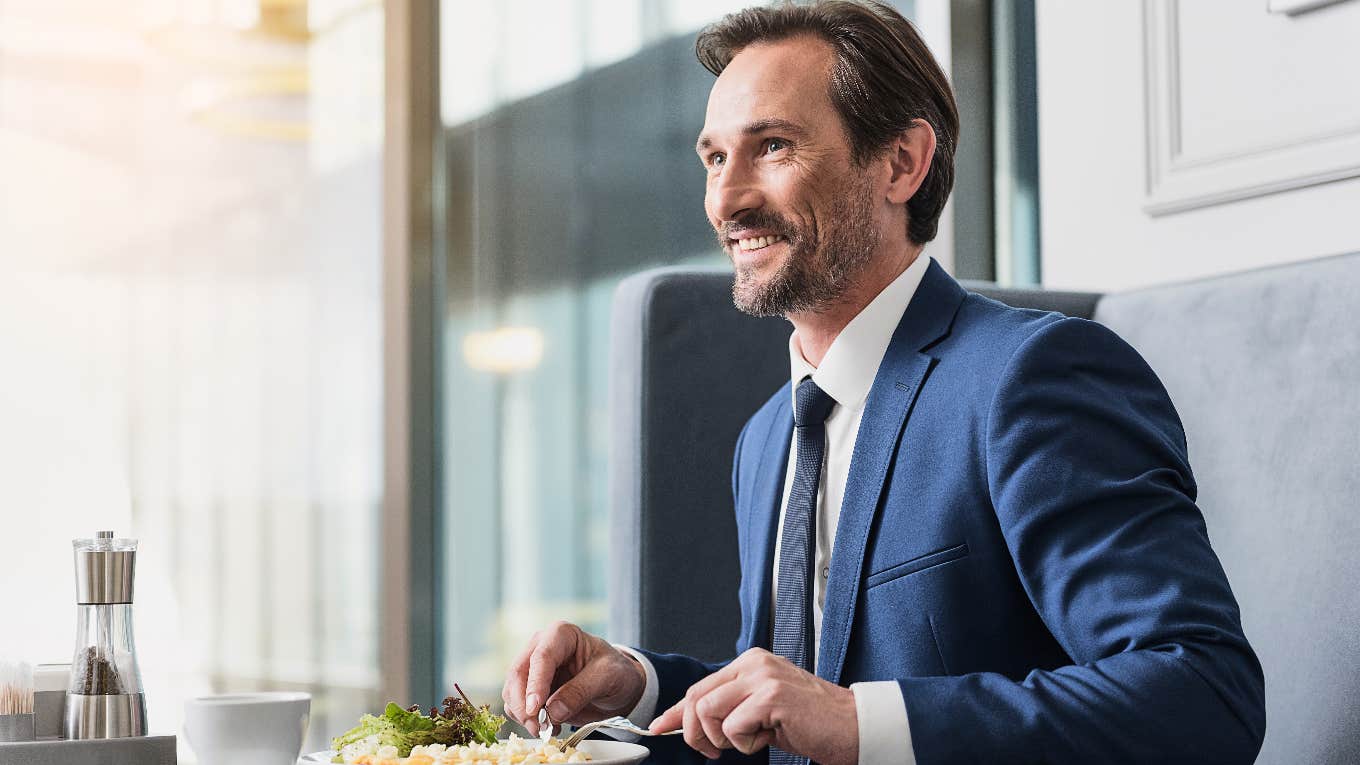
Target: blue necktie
<point>793,637</point>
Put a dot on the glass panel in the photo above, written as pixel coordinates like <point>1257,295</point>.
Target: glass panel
<point>566,174</point>
<point>190,332</point>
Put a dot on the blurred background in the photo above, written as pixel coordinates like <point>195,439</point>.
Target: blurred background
<point>312,296</point>
<point>190,335</point>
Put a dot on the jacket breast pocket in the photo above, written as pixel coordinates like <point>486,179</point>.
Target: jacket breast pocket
<point>917,565</point>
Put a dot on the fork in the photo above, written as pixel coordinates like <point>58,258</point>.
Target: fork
<point>616,723</point>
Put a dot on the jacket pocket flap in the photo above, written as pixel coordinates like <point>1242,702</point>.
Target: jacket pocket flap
<point>916,565</point>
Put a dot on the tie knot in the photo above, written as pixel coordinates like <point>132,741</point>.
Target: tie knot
<point>812,404</point>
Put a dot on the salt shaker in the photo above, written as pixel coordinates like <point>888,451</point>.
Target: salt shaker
<point>104,699</point>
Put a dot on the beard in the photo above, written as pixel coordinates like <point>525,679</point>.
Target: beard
<point>821,263</point>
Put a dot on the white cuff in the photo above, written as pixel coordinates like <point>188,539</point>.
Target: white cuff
<point>645,711</point>
<point>884,735</point>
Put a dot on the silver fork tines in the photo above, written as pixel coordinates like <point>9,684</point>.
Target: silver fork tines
<point>616,723</point>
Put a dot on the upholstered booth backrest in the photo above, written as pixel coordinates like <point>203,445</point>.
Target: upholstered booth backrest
<point>688,369</point>
<point>1264,368</point>
<point>1080,304</point>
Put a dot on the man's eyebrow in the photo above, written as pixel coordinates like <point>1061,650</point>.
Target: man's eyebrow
<point>756,128</point>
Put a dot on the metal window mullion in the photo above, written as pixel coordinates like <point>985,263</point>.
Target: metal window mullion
<point>970,71</point>
<point>413,290</point>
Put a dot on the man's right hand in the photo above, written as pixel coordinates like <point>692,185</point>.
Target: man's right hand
<point>579,677</point>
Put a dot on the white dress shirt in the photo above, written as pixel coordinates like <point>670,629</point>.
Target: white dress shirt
<point>846,374</point>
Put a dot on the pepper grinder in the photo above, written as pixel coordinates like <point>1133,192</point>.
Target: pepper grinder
<point>105,697</point>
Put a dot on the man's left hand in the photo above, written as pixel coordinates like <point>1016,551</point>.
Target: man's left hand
<point>760,700</point>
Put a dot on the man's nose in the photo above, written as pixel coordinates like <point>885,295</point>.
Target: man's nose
<point>734,192</point>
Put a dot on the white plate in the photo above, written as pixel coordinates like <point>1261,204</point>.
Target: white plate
<point>601,752</point>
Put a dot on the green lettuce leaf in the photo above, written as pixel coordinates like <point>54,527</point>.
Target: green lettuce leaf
<point>368,726</point>
<point>458,724</point>
<point>485,725</point>
<point>407,722</point>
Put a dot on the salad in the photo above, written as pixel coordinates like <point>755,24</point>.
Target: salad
<point>515,751</point>
<point>456,723</point>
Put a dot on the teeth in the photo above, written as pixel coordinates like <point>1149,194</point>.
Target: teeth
<point>758,242</point>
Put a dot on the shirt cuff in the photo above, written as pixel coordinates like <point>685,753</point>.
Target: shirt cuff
<point>645,711</point>
<point>884,735</point>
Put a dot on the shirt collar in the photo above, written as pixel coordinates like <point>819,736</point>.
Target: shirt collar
<point>851,363</point>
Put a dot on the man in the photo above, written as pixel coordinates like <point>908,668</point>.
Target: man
<point>967,532</point>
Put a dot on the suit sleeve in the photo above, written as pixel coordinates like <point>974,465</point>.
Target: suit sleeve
<point>1089,477</point>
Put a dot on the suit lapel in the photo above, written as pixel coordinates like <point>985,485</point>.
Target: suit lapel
<point>763,516</point>
<point>903,371</point>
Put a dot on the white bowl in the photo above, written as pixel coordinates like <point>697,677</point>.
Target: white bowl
<point>247,728</point>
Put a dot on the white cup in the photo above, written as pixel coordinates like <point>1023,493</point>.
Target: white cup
<point>247,728</point>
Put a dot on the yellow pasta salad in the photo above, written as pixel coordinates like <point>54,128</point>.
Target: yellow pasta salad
<point>514,751</point>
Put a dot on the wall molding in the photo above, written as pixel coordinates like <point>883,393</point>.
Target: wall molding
<point>1177,182</point>
<point>1298,7</point>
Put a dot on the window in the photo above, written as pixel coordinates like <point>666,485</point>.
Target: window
<point>570,135</point>
<point>190,336</point>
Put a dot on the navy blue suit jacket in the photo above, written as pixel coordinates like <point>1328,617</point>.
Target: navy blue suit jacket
<point>1019,548</point>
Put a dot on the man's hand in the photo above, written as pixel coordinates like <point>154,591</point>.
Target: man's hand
<point>579,677</point>
<point>761,699</point>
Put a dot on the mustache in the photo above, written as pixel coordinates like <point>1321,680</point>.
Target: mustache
<point>756,219</point>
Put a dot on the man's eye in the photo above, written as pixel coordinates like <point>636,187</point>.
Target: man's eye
<point>775,144</point>
<point>717,160</point>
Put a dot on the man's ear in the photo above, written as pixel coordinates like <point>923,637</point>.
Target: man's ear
<point>908,157</point>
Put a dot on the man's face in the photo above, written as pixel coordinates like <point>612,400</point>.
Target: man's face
<point>791,208</point>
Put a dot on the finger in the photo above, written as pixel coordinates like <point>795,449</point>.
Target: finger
<point>749,726</point>
<point>513,692</point>
<point>554,648</point>
<point>725,675</point>
<point>694,734</point>
<point>671,719</point>
<point>753,744</point>
<point>713,707</point>
<point>575,695</point>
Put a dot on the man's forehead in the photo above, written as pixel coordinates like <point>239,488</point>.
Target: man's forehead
<point>787,79</point>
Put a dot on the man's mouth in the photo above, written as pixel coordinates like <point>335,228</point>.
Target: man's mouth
<point>757,242</point>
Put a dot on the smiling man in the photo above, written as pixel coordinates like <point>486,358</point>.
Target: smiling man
<point>968,533</point>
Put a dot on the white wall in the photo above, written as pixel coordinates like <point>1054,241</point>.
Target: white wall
<point>1255,100</point>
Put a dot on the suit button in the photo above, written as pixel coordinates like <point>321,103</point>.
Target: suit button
<point>826,572</point>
